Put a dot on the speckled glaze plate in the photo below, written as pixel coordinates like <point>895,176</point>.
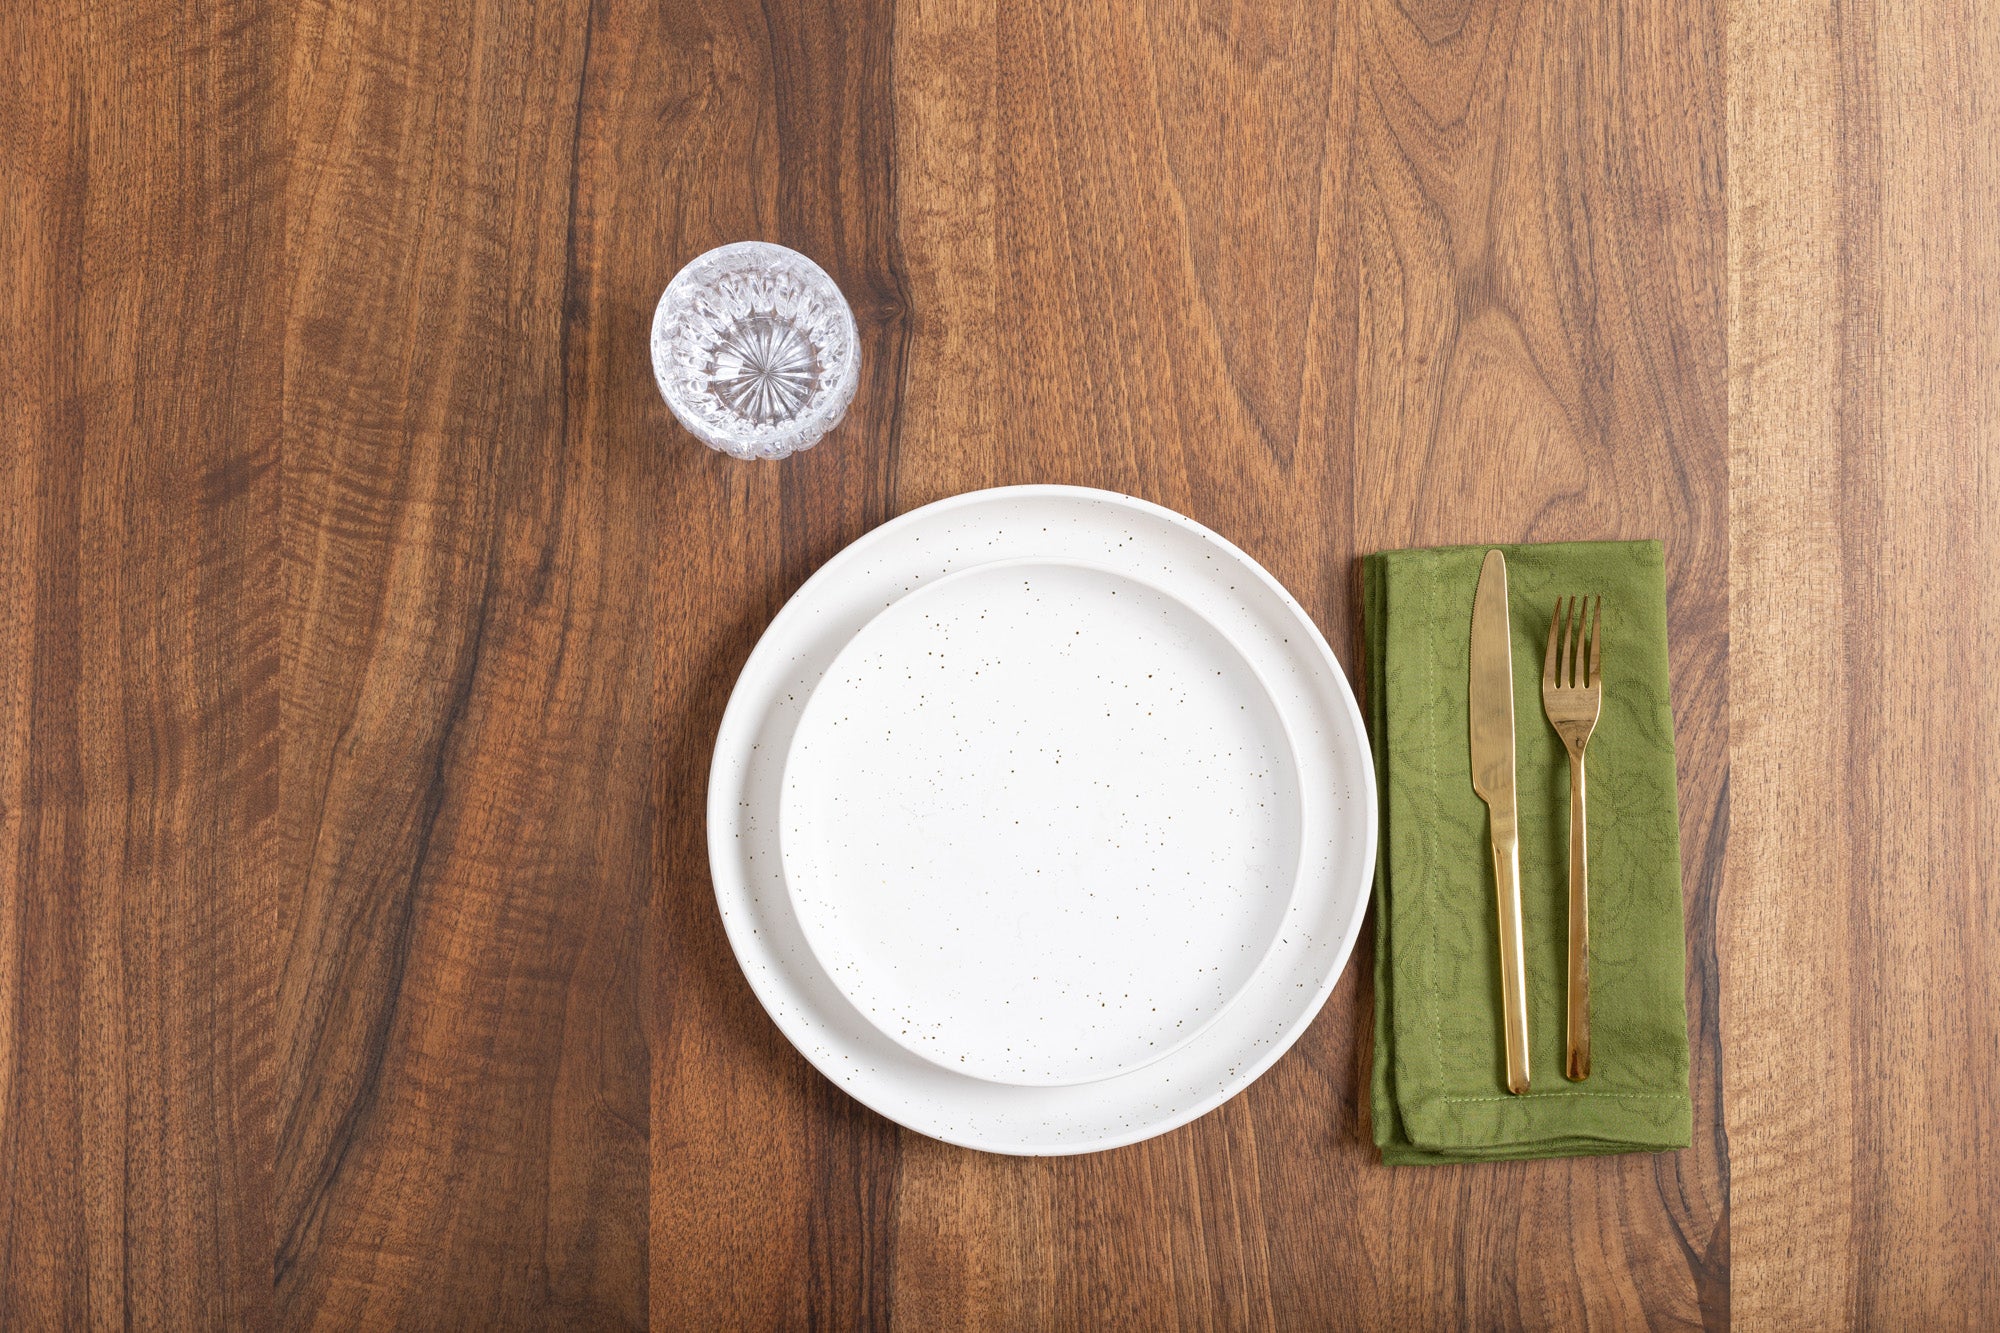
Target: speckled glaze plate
<point>1040,822</point>
<point>1218,585</point>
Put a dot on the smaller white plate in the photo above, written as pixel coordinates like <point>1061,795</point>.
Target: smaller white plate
<point>1041,822</point>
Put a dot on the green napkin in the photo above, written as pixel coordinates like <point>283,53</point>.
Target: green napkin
<point>1440,1091</point>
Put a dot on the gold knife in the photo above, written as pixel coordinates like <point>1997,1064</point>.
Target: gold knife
<point>1492,729</point>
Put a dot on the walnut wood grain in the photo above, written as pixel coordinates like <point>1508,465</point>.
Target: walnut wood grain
<point>1863,924</point>
<point>465,801</point>
<point>773,1193</point>
<point>365,623</point>
<point>139,618</point>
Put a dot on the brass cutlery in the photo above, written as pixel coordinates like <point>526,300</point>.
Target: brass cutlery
<point>1491,717</point>
<point>1571,696</point>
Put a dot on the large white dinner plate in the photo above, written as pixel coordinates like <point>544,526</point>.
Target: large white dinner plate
<point>1040,822</point>
<point>1331,770</point>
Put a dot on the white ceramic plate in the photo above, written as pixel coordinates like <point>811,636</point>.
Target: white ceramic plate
<point>1040,822</point>
<point>1331,770</point>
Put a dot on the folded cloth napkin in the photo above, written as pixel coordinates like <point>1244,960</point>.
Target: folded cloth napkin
<point>1440,1091</point>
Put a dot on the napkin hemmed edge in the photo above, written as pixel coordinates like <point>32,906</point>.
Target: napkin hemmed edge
<point>1394,1154</point>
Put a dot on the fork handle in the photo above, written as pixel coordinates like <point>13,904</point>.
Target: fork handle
<point>1577,1066</point>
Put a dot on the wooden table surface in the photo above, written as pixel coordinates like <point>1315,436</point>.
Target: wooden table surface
<point>365,622</point>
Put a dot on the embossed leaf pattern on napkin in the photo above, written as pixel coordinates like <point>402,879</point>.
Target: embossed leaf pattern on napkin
<point>1439,1077</point>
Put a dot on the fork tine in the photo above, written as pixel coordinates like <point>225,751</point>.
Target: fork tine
<point>1572,640</point>
<point>1572,626</point>
<point>1555,631</point>
<point>1596,638</point>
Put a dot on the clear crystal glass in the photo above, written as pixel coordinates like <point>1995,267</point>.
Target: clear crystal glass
<point>755,350</point>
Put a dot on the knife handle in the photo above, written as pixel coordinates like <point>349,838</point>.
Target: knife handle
<point>1513,962</point>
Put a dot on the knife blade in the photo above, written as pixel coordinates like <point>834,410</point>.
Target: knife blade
<point>1491,713</point>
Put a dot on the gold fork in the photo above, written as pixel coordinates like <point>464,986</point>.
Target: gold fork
<point>1571,696</point>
